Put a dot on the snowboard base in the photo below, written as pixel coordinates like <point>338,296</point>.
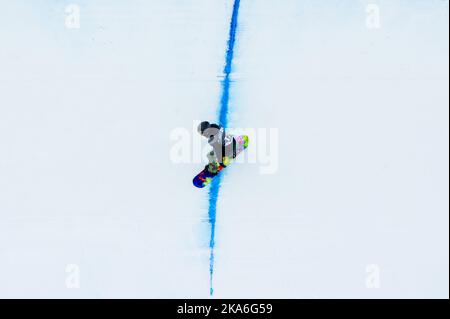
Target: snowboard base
<point>205,177</point>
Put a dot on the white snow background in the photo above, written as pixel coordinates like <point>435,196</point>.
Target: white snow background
<point>86,178</point>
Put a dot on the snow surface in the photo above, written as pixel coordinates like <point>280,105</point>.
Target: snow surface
<point>86,179</point>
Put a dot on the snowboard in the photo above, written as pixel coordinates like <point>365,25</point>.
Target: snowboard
<point>205,177</point>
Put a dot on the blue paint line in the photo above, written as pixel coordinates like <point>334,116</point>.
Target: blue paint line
<point>225,100</point>
<point>223,121</point>
<point>213,196</point>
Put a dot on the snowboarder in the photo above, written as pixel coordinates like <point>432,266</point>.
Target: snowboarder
<point>224,145</point>
<point>225,148</point>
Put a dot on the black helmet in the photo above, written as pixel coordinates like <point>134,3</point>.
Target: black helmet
<point>203,126</point>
